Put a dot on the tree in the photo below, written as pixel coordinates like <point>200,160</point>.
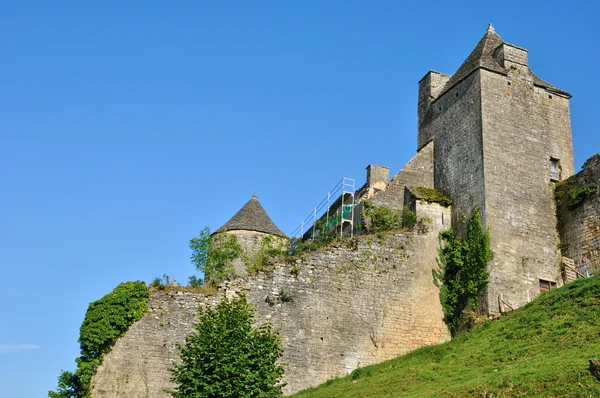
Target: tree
<point>462,275</point>
<point>228,357</point>
<point>105,321</point>
<point>214,255</point>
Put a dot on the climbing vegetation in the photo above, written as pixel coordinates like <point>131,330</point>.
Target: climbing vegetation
<point>270,248</point>
<point>214,257</point>
<point>228,356</point>
<point>382,218</point>
<point>573,192</point>
<point>431,195</point>
<point>462,274</point>
<point>105,321</point>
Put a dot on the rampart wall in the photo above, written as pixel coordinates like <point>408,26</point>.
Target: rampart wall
<point>579,225</point>
<point>356,303</point>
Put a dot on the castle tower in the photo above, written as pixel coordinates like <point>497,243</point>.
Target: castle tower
<point>254,229</point>
<point>502,140</point>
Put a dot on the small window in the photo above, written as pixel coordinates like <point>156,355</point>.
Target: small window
<point>547,285</point>
<point>554,169</point>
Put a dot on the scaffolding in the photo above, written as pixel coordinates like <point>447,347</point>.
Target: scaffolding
<point>334,213</point>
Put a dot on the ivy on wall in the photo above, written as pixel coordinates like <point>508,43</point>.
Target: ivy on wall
<point>214,256</point>
<point>105,321</point>
<point>462,274</point>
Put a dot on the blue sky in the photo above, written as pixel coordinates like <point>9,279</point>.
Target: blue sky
<point>126,127</point>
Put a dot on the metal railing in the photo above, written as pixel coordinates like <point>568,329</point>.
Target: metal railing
<point>343,190</point>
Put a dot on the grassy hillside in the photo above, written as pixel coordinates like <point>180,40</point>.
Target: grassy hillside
<point>540,350</point>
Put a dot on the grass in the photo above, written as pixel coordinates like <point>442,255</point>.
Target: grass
<point>540,350</point>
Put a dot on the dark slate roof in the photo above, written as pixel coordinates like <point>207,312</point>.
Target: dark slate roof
<point>252,217</point>
<point>482,57</point>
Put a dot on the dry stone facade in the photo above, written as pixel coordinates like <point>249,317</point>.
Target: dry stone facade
<point>356,303</point>
<point>579,225</point>
<point>498,130</point>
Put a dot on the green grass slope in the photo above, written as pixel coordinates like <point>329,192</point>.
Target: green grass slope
<point>540,350</point>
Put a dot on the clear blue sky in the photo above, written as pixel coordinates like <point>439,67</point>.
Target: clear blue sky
<point>126,127</point>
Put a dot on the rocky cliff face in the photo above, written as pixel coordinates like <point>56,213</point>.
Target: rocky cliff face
<point>353,304</point>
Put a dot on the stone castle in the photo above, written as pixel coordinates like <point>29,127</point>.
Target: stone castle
<point>493,136</point>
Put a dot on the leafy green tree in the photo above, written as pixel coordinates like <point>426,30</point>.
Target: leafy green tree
<point>214,255</point>
<point>105,321</point>
<point>68,386</point>
<point>229,357</point>
<point>462,275</point>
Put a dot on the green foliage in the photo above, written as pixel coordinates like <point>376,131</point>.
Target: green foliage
<point>572,192</point>
<point>195,282</point>
<point>229,357</point>
<point>431,195</point>
<point>162,283</point>
<point>541,350</point>
<point>285,296</point>
<point>462,275</point>
<point>295,271</point>
<point>158,283</point>
<point>68,386</point>
<point>578,193</point>
<point>382,218</point>
<point>270,248</point>
<point>324,235</point>
<point>214,256</point>
<point>105,321</point>
<point>409,217</point>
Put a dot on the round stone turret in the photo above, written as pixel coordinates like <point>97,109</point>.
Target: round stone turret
<point>255,233</point>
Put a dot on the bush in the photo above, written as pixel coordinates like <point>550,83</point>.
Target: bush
<point>195,282</point>
<point>105,321</point>
<point>382,218</point>
<point>462,275</point>
<point>228,357</point>
<point>214,256</point>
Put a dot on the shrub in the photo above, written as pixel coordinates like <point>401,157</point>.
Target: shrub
<point>214,256</point>
<point>382,218</point>
<point>228,357</point>
<point>462,275</point>
<point>105,321</point>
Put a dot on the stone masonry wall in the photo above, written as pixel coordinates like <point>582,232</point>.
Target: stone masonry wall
<point>137,365</point>
<point>354,304</point>
<point>524,126</point>
<point>453,121</point>
<point>417,172</point>
<point>579,226</point>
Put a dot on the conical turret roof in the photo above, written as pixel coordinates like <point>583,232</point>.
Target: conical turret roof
<point>252,217</point>
<point>483,57</point>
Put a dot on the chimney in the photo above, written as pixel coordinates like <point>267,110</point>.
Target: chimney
<point>510,56</point>
<point>377,177</point>
<point>430,87</point>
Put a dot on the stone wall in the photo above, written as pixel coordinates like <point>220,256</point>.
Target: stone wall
<point>418,172</point>
<point>453,121</point>
<point>355,303</point>
<point>579,225</point>
<point>251,242</point>
<point>137,365</point>
<point>524,127</point>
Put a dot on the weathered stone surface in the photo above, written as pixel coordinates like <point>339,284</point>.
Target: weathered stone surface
<point>138,363</point>
<point>579,226</point>
<point>354,304</point>
<point>418,172</point>
<point>497,128</point>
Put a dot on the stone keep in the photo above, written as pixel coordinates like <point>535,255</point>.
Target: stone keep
<point>502,140</point>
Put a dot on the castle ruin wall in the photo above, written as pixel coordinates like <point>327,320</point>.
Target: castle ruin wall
<point>579,225</point>
<point>353,304</point>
